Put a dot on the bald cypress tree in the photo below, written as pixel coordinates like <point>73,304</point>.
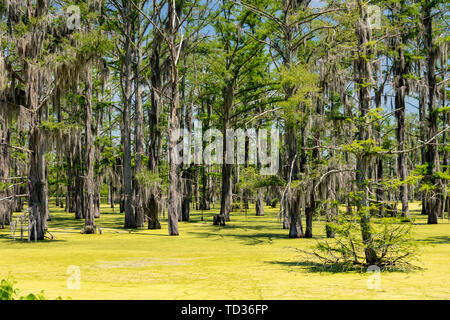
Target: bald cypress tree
<point>5,201</point>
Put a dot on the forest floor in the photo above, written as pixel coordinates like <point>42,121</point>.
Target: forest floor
<point>250,258</point>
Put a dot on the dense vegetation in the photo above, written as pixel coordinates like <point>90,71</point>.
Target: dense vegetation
<point>93,94</point>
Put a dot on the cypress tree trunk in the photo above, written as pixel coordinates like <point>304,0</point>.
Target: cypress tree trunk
<point>206,179</point>
<point>433,203</point>
<point>155,98</point>
<point>139,137</point>
<point>36,180</point>
<point>77,166</point>
<point>227,169</point>
<point>89,226</point>
<point>130,221</point>
<point>380,191</point>
<point>187,174</point>
<point>57,187</point>
<point>109,197</point>
<point>57,106</point>
<point>363,75</point>
<point>205,203</point>
<point>97,199</point>
<point>17,205</point>
<point>400,71</point>
<point>246,159</point>
<point>259,205</point>
<point>292,208</point>
<point>36,177</point>
<point>197,190</point>
<point>173,194</point>
<point>70,187</point>
<point>79,198</point>
<point>445,163</point>
<point>422,127</point>
<point>152,207</point>
<point>260,202</point>
<point>309,212</point>
<point>295,222</point>
<point>312,206</point>
<point>187,195</point>
<point>332,210</point>
<point>5,204</point>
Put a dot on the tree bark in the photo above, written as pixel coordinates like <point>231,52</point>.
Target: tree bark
<point>89,227</point>
<point>130,221</point>
<point>206,179</point>
<point>152,211</point>
<point>260,202</point>
<point>139,137</point>
<point>173,194</point>
<point>332,208</point>
<point>292,212</point>
<point>187,173</point>
<point>400,72</point>
<point>363,75</point>
<point>433,202</point>
<point>309,212</point>
<point>295,222</point>
<point>36,180</point>
<point>227,169</point>
<point>79,198</point>
<point>5,204</point>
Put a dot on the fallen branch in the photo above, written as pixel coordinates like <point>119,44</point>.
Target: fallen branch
<point>17,148</point>
<point>15,196</point>
<point>328,173</point>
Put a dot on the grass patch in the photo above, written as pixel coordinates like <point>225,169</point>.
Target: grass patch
<point>250,258</point>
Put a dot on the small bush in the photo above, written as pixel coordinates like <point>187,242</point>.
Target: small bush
<point>9,292</point>
<point>391,240</point>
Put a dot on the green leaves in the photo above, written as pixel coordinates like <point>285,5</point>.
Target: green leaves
<point>301,86</point>
<point>391,241</point>
<point>364,148</point>
<point>149,179</point>
<point>95,42</point>
<point>250,179</point>
<point>9,292</point>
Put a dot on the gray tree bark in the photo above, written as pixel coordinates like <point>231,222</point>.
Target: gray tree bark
<point>363,74</point>
<point>432,203</point>
<point>130,221</point>
<point>5,204</point>
<point>139,137</point>
<point>400,71</point>
<point>89,227</point>
<point>173,194</point>
<point>227,169</point>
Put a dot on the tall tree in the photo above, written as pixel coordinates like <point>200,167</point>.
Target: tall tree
<point>363,82</point>
<point>433,200</point>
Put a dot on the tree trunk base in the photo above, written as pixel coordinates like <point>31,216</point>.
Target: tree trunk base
<point>89,230</point>
<point>154,225</point>
<point>219,219</point>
